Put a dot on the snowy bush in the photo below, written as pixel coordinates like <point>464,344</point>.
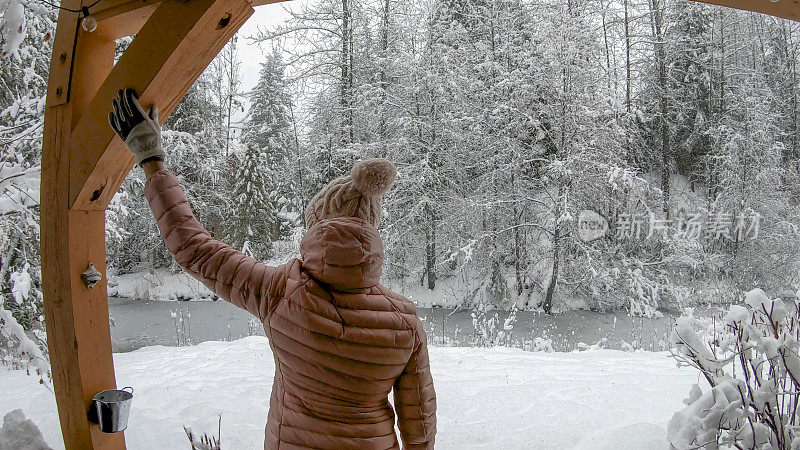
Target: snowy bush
<point>19,433</point>
<point>538,344</point>
<point>183,332</point>
<point>254,327</point>
<point>487,330</point>
<point>751,363</point>
<point>17,349</point>
<point>599,345</point>
<point>645,295</point>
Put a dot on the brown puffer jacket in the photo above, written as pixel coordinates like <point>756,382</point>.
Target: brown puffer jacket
<point>341,341</point>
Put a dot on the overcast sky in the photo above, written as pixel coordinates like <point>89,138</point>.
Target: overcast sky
<point>252,55</point>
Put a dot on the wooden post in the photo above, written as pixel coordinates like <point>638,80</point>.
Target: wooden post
<point>83,164</point>
<point>78,332</point>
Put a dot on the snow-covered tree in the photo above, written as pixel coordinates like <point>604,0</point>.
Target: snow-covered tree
<point>255,215</point>
<point>25,47</point>
<point>267,181</point>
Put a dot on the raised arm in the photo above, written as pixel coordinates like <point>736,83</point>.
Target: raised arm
<point>415,398</point>
<point>231,274</point>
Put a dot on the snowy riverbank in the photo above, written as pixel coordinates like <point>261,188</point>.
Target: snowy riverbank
<point>488,398</point>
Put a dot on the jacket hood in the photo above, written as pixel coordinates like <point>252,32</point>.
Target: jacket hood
<point>343,252</point>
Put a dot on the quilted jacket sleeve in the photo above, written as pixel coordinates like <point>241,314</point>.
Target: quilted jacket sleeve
<point>415,398</point>
<point>231,274</point>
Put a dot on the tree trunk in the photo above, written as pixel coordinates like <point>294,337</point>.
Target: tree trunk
<point>430,248</point>
<point>347,74</point>
<point>547,305</point>
<point>627,60</point>
<point>384,76</point>
<point>658,36</point>
<point>232,88</point>
<point>519,265</point>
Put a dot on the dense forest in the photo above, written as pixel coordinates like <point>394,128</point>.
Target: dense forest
<point>675,122</point>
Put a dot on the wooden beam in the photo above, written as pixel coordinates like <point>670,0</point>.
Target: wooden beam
<point>119,18</point>
<point>108,9</point>
<point>172,49</point>
<point>93,61</point>
<point>126,23</point>
<point>78,335</point>
<point>787,9</point>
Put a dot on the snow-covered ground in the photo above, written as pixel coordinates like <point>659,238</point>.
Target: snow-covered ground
<point>497,398</point>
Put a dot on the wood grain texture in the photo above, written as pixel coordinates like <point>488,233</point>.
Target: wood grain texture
<point>94,60</point>
<point>113,8</point>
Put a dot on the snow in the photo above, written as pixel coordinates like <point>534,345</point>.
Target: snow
<point>19,433</point>
<point>19,188</point>
<point>488,398</point>
<point>21,284</point>
<point>12,27</point>
<point>161,284</point>
<point>11,329</point>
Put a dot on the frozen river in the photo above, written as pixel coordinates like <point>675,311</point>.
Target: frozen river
<point>140,323</point>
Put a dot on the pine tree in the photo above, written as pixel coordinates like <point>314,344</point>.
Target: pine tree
<point>269,124</point>
<point>254,212</point>
<point>265,180</point>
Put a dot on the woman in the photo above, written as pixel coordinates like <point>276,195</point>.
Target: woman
<point>341,340</point>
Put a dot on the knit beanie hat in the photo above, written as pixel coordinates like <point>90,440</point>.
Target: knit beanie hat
<point>355,195</point>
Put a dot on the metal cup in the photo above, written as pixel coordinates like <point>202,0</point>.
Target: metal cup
<point>113,407</point>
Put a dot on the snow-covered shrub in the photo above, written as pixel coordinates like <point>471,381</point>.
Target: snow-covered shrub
<point>18,350</point>
<point>645,295</point>
<point>255,327</point>
<point>538,344</point>
<point>19,433</point>
<point>751,363</point>
<point>626,346</point>
<point>484,326</point>
<point>183,333</point>
<point>487,330</point>
<point>599,345</point>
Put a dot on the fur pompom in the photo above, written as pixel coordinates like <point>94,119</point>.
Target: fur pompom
<point>373,177</point>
